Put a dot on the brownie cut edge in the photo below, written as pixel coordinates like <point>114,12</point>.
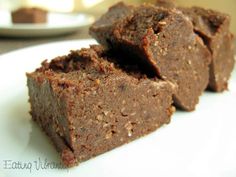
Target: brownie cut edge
<point>87,105</point>
<point>214,28</point>
<point>162,39</point>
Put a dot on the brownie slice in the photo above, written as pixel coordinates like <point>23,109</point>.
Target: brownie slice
<point>163,40</point>
<point>87,105</point>
<point>29,15</point>
<point>213,28</point>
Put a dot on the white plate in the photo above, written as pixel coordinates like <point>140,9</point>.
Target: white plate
<point>58,23</point>
<point>200,144</point>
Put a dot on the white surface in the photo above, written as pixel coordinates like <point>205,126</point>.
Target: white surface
<point>197,144</point>
<point>58,23</point>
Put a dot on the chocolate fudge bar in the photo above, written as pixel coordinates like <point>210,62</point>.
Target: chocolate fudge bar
<point>87,105</point>
<point>162,39</point>
<point>29,15</point>
<point>213,27</point>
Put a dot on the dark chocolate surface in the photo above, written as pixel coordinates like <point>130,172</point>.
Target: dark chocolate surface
<point>88,106</point>
<point>162,39</point>
<point>29,15</point>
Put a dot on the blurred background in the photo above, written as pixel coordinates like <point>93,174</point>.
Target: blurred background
<point>97,7</point>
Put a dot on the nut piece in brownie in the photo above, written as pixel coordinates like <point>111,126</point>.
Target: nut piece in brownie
<point>88,106</point>
<point>213,28</point>
<point>29,15</point>
<point>162,39</point>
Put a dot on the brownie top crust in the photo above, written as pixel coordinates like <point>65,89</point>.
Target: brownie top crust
<point>89,105</point>
<point>166,3</point>
<point>164,41</point>
<point>206,21</point>
<point>120,16</point>
<point>30,10</point>
<point>88,66</point>
<point>117,12</point>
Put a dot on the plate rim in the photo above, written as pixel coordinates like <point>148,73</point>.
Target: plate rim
<point>40,30</point>
<point>100,161</point>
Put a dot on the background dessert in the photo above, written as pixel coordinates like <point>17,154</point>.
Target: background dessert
<point>29,15</point>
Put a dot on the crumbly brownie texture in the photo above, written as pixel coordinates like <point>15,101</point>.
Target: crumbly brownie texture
<point>104,26</point>
<point>213,28</point>
<point>88,106</point>
<point>29,15</point>
<point>162,39</point>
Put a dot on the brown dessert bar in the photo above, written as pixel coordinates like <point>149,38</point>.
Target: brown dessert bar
<point>88,106</point>
<point>162,39</point>
<point>213,27</point>
<point>29,15</point>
